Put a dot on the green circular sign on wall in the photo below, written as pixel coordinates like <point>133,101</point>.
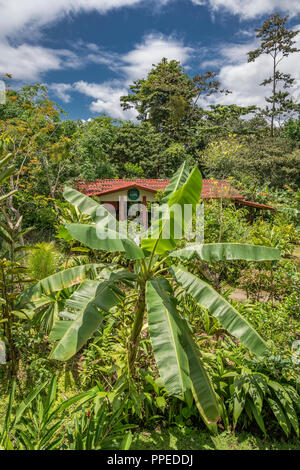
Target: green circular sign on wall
<point>133,194</point>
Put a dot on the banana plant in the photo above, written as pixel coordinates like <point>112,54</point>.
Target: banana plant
<point>153,272</point>
<point>42,302</point>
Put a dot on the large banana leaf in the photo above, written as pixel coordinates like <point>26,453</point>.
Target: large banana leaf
<point>164,232</point>
<point>175,351</point>
<point>56,282</point>
<point>190,192</point>
<point>85,204</point>
<point>101,216</point>
<point>227,251</point>
<point>59,330</point>
<point>89,300</point>
<point>80,298</point>
<point>107,240</point>
<point>165,336</point>
<point>230,318</point>
<point>96,211</point>
<point>177,180</point>
<point>201,385</point>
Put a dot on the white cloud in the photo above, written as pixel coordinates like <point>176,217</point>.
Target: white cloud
<point>22,20</point>
<point>28,62</point>
<point>138,62</point>
<point>243,78</point>
<point>251,8</point>
<point>62,91</point>
<point>132,65</point>
<point>235,73</point>
<point>19,15</point>
<point>106,98</point>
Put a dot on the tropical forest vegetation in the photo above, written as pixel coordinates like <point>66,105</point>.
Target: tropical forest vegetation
<point>162,343</point>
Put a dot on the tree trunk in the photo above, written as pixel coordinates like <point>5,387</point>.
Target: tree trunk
<point>134,339</point>
<point>274,91</point>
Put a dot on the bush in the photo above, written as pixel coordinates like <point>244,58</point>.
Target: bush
<point>253,160</point>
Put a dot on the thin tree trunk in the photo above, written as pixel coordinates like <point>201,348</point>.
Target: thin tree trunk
<point>221,221</point>
<point>134,339</point>
<point>274,91</point>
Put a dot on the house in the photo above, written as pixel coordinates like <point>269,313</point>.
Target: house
<point>121,193</point>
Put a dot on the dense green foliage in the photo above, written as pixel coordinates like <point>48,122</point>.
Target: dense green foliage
<point>83,319</point>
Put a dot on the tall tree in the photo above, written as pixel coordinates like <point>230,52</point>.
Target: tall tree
<point>277,41</point>
<point>164,98</point>
<point>28,119</point>
<point>207,85</point>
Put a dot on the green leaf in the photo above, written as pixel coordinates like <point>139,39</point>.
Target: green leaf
<point>51,395</point>
<point>292,416</point>
<point>202,388</point>
<point>287,404</point>
<point>115,239</point>
<point>85,204</point>
<point>256,394</point>
<point>26,440</point>
<point>168,229</point>
<point>59,330</point>
<point>8,414</point>
<point>257,416</point>
<point>5,160</point>
<point>126,442</point>
<point>63,234</point>
<point>262,382</point>
<point>230,318</point>
<point>5,235</point>
<point>107,240</point>
<point>239,399</point>
<point>175,351</point>
<point>227,251</point>
<point>92,297</point>
<point>177,180</point>
<point>165,336</point>
<point>280,416</point>
<point>190,192</point>
<point>26,402</point>
<point>161,402</point>
<point>293,395</point>
<point>56,282</point>
<point>6,173</point>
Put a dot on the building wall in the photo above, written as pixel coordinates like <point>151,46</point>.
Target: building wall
<point>111,197</point>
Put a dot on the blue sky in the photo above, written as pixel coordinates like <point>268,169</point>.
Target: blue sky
<point>89,51</point>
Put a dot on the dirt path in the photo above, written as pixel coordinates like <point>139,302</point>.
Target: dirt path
<point>296,252</point>
<point>240,296</point>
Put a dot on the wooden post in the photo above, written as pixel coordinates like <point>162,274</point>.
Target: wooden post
<point>251,215</point>
<point>122,205</point>
<point>145,215</point>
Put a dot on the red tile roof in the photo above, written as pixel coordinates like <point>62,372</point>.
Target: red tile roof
<point>211,188</point>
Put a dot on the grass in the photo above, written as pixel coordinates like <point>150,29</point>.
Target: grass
<point>193,439</point>
<point>188,438</point>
